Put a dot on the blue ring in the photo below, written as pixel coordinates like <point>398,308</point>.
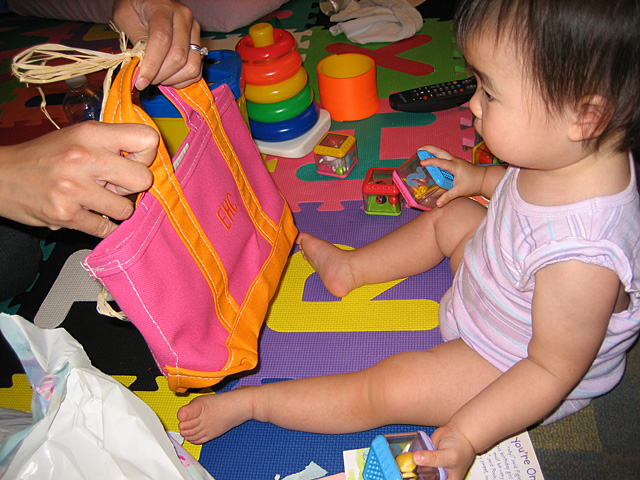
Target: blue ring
<point>287,129</point>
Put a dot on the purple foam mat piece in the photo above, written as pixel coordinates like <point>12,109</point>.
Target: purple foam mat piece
<point>299,355</point>
<point>286,355</point>
<point>260,451</point>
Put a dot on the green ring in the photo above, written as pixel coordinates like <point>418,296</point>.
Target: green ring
<point>283,110</point>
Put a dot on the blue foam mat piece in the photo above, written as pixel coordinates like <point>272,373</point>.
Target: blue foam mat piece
<point>259,451</point>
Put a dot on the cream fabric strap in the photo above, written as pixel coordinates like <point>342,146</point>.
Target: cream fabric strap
<point>107,310</point>
<point>33,64</point>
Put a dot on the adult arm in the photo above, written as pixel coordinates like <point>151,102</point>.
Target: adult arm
<point>69,178</point>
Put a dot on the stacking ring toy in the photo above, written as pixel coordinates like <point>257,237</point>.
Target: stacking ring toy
<point>288,129</point>
<point>283,44</point>
<point>278,91</point>
<point>280,111</point>
<point>223,66</point>
<point>274,71</point>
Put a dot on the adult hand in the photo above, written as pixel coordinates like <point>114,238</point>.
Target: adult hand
<point>453,452</point>
<point>169,27</point>
<point>70,177</point>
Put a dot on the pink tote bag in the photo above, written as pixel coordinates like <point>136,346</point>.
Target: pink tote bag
<point>196,265</point>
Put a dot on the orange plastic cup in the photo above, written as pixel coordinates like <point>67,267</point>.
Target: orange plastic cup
<point>347,85</point>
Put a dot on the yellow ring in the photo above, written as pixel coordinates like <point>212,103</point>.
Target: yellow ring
<point>277,91</point>
<point>280,111</point>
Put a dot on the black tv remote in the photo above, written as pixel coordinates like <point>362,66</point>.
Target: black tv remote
<point>433,98</point>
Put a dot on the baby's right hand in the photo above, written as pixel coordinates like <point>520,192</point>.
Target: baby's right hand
<point>467,177</point>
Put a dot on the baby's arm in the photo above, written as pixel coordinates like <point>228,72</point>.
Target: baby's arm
<point>573,302</point>
<point>469,179</point>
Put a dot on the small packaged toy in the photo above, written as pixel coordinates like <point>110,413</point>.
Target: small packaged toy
<point>336,154</point>
<point>422,186</point>
<point>380,195</point>
<point>391,458</point>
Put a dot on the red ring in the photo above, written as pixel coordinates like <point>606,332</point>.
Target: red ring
<point>275,71</point>
<point>283,43</point>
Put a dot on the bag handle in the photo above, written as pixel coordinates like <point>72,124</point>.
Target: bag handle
<point>196,97</point>
<point>119,108</point>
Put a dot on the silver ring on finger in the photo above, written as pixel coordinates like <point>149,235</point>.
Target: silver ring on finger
<point>201,50</point>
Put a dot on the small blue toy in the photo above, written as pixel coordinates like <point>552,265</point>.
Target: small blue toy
<point>391,458</point>
<point>443,178</point>
<point>380,465</point>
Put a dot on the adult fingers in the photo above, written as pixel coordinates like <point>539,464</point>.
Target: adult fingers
<point>103,164</point>
<point>168,59</point>
<point>93,224</point>
<point>140,142</point>
<point>191,71</point>
<point>85,211</point>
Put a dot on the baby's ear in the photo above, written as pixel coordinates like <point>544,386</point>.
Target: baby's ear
<point>591,116</point>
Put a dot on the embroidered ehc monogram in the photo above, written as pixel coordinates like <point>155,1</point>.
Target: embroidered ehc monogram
<point>227,212</point>
<point>199,298</point>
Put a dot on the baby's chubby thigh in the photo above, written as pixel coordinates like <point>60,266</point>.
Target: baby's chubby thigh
<point>428,387</point>
<point>455,224</point>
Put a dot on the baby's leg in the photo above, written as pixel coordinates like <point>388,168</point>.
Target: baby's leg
<point>415,247</point>
<point>422,388</point>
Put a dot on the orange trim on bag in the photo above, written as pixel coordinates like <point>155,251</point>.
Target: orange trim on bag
<point>243,338</point>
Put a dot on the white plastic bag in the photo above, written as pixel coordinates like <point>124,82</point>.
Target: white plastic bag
<point>85,423</point>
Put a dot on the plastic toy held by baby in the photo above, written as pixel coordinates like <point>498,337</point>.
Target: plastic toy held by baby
<point>422,186</point>
<point>391,458</point>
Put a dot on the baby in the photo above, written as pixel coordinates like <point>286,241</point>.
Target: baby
<point>546,296</point>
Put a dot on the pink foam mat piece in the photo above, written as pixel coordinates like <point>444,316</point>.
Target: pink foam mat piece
<point>384,140</point>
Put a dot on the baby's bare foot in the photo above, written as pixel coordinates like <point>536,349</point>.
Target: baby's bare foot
<point>209,416</point>
<point>331,263</point>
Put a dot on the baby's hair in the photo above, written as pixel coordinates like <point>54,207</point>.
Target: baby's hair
<point>570,49</point>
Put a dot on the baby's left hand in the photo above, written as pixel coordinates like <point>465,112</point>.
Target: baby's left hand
<point>453,452</point>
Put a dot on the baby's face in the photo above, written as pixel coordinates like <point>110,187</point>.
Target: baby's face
<point>510,114</point>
